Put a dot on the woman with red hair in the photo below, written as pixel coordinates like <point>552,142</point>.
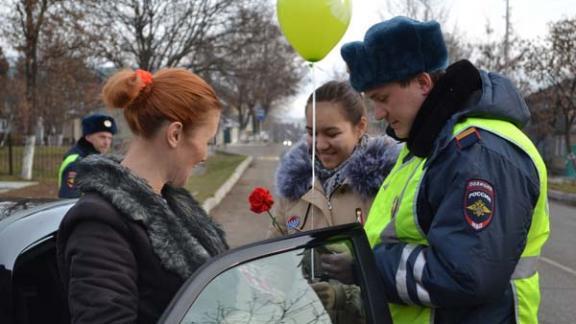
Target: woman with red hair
<point>133,238</point>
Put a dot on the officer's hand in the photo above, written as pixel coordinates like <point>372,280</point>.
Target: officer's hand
<point>338,266</point>
<point>326,293</point>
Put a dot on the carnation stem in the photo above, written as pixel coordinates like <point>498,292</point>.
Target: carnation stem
<point>275,223</point>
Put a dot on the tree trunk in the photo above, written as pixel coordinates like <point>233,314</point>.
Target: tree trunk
<point>28,157</point>
<point>244,119</point>
<point>255,124</point>
<point>567,133</point>
<point>570,156</point>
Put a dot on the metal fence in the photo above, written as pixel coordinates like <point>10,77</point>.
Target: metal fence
<point>47,158</point>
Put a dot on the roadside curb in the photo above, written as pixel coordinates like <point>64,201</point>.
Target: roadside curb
<point>562,196</point>
<point>213,201</point>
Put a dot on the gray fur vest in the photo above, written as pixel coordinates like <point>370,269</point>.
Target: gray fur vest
<point>365,170</point>
<point>180,232</point>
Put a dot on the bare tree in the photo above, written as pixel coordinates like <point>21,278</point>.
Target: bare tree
<point>552,63</point>
<point>425,10</point>
<point>544,116</point>
<point>43,31</point>
<point>504,54</point>
<point>4,68</point>
<point>156,33</point>
<point>11,90</point>
<point>27,23</point>
<point>69,86</point>
<point>501,55</point>
<point>263,309</point>
<point>257,68</point>
<point>69,89</point>
<point>419,9</point>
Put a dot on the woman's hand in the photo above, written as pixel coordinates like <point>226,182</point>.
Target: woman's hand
<point>326,293</point>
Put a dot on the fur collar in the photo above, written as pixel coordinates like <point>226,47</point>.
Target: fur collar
<point>180,232</point>
<point>364,172</point>
<point>447,97</point>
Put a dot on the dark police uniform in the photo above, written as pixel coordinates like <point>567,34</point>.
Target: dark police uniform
<point>67,172</point>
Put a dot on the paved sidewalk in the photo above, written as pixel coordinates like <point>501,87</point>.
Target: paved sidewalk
<point>6,186</point>
<point>241,225</point>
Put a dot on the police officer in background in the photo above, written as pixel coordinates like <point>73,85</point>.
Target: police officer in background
<point>97,131</point>
<point>459,223</point>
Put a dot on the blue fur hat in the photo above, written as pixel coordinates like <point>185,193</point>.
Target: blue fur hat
<point>98,123</point>
<point>395,50</point>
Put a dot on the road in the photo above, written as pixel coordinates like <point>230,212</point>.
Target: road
<point>241,225</point>
<point>557,266</point>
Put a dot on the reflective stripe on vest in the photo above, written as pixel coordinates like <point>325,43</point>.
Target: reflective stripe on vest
<point>393,218</point>
<point>69,159</point>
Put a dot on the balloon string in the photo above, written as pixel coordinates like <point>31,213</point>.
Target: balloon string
<point>312,67</point>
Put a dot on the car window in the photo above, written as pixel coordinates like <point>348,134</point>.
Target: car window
<point>291,287</point>
<point>37,293</point>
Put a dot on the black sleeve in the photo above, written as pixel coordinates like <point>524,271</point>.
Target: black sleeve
<point>102,286</point>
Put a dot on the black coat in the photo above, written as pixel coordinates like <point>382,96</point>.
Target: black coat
<point>123,251</point>
<point>119,278</point>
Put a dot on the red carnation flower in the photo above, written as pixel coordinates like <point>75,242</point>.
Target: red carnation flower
<point>261,201</point>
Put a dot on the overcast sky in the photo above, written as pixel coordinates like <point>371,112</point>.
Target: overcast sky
<point>529,20</point>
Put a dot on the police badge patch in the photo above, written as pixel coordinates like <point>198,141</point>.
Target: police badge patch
<point>70,179</point>
<point>479,203</point>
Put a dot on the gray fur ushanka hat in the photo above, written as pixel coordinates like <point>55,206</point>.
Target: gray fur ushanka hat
<point>395,50</point>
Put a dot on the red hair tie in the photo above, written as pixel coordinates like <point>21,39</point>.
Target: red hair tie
<point>145,76</point>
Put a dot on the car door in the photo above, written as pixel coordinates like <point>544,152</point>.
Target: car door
<point>282,281</point>
<point>30,287</point>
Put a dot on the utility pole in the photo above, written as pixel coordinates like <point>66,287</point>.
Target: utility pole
<point>507,38</point>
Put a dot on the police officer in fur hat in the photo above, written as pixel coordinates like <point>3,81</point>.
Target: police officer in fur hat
<point>459,223</point>
<point>97,131</point>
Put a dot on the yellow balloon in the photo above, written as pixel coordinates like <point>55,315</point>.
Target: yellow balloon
<point>314,27</point>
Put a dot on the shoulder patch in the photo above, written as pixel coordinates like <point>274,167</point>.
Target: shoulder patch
<point>479,203</point>
<point>467,137</point>
<point>70,179</point>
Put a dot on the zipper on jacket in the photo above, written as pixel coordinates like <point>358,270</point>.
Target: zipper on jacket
<point>330,197</point>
